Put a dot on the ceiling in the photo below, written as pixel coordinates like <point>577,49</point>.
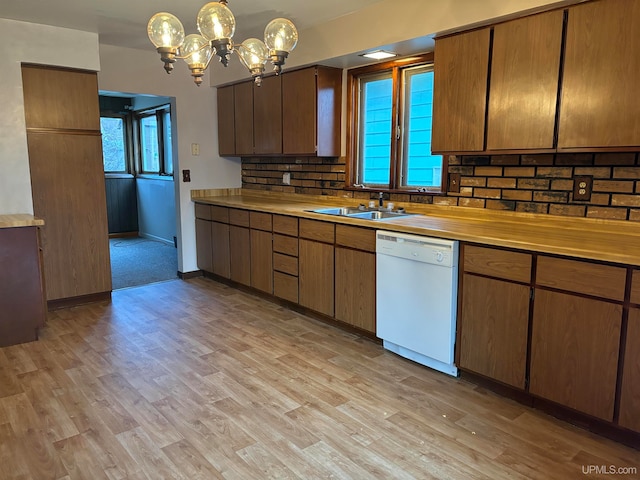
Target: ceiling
<point>124,22</point>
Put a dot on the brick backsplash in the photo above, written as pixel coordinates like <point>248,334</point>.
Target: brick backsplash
<point>541,183</point>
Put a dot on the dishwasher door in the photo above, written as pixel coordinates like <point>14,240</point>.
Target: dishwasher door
<point>416,298</point>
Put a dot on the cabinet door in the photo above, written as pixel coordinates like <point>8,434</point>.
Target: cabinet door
<point>356,288</point>
<point>240,254</point>
<point>299,112</point>
<point>226,122</point>
<point>267,116</point>
<point>243,117</point>
<point>316,276</point>
<point>461,67</point>
<point>220,241</point>
<point>494,323</point>
<point>630,393</point>
<point>600,103</point>
<point>574,351</point>
<point>525,67</point>
<point>204,245</point>
<point>262,260</point>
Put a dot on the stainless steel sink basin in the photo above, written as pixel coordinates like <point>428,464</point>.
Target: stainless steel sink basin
<point>355,212</point>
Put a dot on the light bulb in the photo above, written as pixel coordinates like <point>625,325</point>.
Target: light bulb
<point>165,30</point>
<point>280,35</point>
<point>253,53</point>
<point>196,50</point>
<point>215,21</point>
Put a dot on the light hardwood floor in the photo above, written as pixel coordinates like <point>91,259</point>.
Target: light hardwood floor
<point>196,380</point>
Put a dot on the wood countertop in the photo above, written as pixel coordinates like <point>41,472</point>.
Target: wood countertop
<point>19,220</point>
<point>594,239</point>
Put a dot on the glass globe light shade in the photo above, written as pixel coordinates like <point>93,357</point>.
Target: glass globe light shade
<point>216,21</point>
<point>280,34</point>
<point>253,53</point>
<point>165,30</point>
<point>196,50</point>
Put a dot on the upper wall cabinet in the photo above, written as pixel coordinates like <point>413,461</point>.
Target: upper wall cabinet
<point>311,100</point>
<point>460,92</point>
<point>296,113</point>
<point>523,94</point>
<point>600,103</point>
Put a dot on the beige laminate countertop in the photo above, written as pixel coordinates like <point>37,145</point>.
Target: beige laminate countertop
<point>19,220</point>
<point>603,240</point>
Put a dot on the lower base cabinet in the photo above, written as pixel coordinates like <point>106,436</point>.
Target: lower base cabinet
<point>630,392</point>
<point>494,326</point>
<point>262,260</point>
<point>220,246</point>
<point>574,351</point>
<point>204,250</point>
<point>355,282</point>
<point>240,254</point>
<point>316,276</point>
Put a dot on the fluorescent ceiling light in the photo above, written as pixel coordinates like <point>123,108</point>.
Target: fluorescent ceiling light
<point>379,55</point>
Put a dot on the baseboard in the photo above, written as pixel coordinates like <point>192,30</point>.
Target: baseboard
<point>80,300</point>
<point>157,239</point>
<point>123,234</point>
<point>188,275</point>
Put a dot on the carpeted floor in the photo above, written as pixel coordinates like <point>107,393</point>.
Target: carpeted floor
<point>138,261</point>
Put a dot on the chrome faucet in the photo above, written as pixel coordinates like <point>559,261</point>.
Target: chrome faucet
<point>381,199</point>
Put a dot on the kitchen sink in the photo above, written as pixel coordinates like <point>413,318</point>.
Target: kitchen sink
<point>362,212</point>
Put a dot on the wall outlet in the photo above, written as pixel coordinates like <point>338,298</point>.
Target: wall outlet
<point>286,178</point>
<point>195,149</point>
<point>186,175</point>
<point>454,183</point>
<point>582,186</point>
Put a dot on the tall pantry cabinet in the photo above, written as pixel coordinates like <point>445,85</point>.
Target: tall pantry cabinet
<point>67,181</point>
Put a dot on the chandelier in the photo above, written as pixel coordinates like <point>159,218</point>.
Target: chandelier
<point>217,25</point>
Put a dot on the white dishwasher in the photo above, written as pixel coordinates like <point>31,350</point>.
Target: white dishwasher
<point>416,298</point>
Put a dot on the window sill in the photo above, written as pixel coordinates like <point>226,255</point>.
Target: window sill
<point>118,175</point>
<point>155,176</point>
<point>402,191</point>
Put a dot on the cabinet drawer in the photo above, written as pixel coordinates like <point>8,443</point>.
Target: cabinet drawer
<point>581,277</point>
<point>285,225</point>
<point>260,221</point>
<point>285,263</point>
<point>220,214</point>
<point>239,217</point>
<point>285,286</point>
<point>316,230</point>
<point>356,237</point>
<point>203,211</point>
<point>504,264</point>
<point>635,287</point>
<point>284,244</point>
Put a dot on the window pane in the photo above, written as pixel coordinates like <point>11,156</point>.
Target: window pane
<point>149,144</point>
<point>113,144</point>
<point>374,149</point>
<point>420,168</point>
<point>168,155</point>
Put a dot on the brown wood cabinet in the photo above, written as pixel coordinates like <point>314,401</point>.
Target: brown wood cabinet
<point>212,239</point>
<point>267,116</point>
<point>22,301</point>
<point>242,118</point>
<point>630,392</point>
<point>285,257</point>
<point>316,265</point>
<point>261,251</point>
<point>220,258</point>
<point>355,277</point>
<point>523,94</point>
<point>461,67</point>
<point>574,351</point>
<point>204,245</point>
<point>600,105</point>
<point>311,100</point>
<point>493,321</point>
<point>226,121</point>
<point>239,246</point>
<point>67,178</point>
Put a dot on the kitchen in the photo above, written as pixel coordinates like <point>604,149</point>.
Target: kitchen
<point>480,167</point>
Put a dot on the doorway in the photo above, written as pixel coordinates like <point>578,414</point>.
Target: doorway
<point>140,189</point>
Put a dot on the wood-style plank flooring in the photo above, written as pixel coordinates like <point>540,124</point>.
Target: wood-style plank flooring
<point>196,380</point>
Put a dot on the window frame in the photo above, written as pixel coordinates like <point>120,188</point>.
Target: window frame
<point>164,148</point>
<point>396,67</point>
<point>126,120</point>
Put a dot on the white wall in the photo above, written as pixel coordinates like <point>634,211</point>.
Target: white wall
<point>156,208</point>
<point>22,42</point>
<point>195,118</point>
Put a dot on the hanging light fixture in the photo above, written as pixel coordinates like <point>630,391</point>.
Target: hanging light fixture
<point>217,25</point>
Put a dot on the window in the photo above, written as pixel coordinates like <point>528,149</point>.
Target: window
<point>391,113</point>
<point>114,141</point>
<point>154,136</point>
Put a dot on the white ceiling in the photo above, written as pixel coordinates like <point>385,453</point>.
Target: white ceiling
<point>124,22</point>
